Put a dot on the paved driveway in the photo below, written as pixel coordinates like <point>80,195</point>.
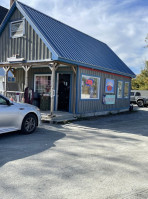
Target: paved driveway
<point>102,158</point>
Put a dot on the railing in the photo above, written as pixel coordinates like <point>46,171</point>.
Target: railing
<point>15,96</point>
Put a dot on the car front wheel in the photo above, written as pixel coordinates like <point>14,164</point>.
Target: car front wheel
<point>29,124</point>
<point>140,103</point>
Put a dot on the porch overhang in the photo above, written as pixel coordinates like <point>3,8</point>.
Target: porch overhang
<point>35,63</point>
<point>22,63</point>
<point>51,64</point>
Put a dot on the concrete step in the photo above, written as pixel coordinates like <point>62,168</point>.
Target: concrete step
<point>58,117</point>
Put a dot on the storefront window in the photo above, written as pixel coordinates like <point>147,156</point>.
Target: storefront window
<point>42,84</point>
<point>120,89</point>
<point>126,90</point>
<point>90,87</point>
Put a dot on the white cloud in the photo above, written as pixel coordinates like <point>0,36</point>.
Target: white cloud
<point>120,24</point>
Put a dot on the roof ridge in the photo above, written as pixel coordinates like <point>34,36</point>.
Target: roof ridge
<point>69,44</point>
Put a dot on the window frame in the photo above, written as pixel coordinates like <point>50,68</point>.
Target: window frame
<point>23,32</point>
<point>40,76</point>
<point>121,90</point>
<point>99,81</point>
<point>128,89</point>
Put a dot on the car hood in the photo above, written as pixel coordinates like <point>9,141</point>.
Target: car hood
<point>24,105</point>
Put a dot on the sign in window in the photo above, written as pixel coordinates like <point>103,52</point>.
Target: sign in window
<point>109,86</point>
<point>120,89</point>
<point>90,87</point>
<point>126,90</point>
<point>42,84</point>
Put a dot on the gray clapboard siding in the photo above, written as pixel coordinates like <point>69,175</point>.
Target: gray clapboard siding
<point>86,106</point>
<point>30,46</point>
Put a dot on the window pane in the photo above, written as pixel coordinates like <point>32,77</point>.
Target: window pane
<point>89,87</point>
<point>3,101</point>
<point>17,28</point>
<point>119,91</point>
<point>126,90</point>
<point>138,94</point>
<point>42,84</point>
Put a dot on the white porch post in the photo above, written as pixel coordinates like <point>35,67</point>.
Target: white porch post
<point>53,69</point>
<point>6,69</point>
<point>26,69</point>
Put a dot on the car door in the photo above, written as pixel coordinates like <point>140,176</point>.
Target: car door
<point>8,116</point>
<point>132,96</point>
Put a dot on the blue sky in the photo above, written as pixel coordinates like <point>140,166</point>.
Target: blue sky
<point>122,24</point>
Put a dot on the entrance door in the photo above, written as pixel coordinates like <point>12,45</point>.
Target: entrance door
<point>63,92</point>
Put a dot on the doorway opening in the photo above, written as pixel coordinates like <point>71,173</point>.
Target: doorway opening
<point>63,92</point>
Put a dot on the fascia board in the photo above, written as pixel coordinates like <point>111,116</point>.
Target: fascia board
<point>95,67</point>
<point>7,17</point>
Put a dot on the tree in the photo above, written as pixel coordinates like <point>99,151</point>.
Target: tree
<point>141,80</point>
<point>146,40</point>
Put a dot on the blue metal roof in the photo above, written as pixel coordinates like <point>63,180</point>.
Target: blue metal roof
<point>70,45</point>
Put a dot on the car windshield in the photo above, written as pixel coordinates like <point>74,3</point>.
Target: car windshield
<point>132,94</point>
<point>2,101</point>
<point>138,94</point>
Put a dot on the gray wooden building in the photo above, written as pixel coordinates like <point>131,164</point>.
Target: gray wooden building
<point>3,12</point>
<point>59,67</point>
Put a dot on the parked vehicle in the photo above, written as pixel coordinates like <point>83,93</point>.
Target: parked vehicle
<point>139,97</point>
<point>18,116</point>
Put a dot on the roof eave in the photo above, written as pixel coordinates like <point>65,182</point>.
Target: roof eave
<point>95,67</point>
<point>8,15</point>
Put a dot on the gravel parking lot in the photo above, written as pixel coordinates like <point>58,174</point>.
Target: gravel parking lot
<point>100,158</point>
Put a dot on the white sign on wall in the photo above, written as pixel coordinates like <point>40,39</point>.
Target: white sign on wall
<point>109,99</point>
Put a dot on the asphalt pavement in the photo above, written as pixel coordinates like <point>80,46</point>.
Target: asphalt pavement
<point>97,158</point>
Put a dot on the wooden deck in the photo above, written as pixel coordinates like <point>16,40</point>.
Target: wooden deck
<point>57,117</point>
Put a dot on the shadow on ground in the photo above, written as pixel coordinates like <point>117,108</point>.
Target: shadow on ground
<point>129,122</point>
<point>15,146</point>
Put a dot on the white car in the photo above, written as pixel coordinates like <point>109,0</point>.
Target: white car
<point>18,116</point>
